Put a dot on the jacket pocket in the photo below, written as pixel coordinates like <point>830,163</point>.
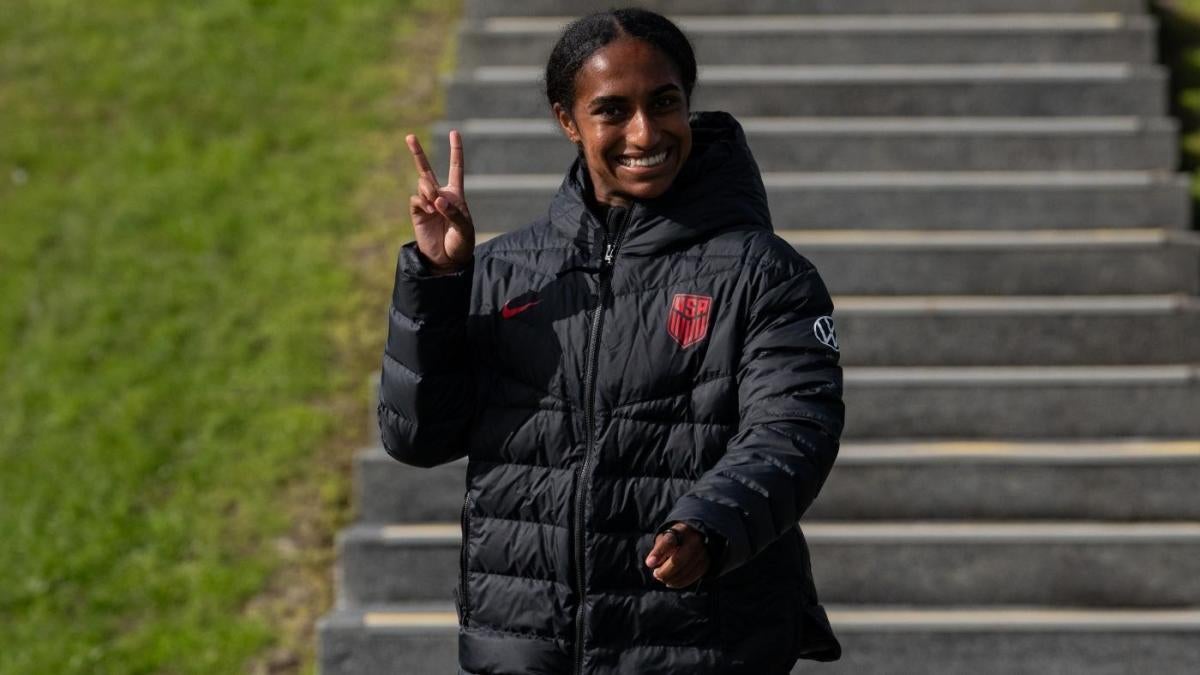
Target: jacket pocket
<point>462,598</point>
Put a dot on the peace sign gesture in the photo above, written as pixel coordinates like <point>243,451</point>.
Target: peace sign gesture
<point>441,220</point>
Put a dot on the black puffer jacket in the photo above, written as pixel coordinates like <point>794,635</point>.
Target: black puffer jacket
<point>681,368</point>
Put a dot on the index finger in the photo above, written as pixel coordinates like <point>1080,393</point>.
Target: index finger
<point>418,153</point>
<point>457,165</point>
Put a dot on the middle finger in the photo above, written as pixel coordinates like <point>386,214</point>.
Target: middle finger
<point>681,567</point>
<point>457,165</point>
<point>681,561</point>
<point>670,568</point>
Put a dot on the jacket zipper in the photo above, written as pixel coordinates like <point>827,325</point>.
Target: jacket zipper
<point>582,490</point>
<point>464,596</point>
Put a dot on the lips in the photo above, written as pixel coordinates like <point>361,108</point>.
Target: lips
<point>644,161</point>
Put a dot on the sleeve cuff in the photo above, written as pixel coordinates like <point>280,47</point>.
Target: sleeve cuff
<point>422,294</point>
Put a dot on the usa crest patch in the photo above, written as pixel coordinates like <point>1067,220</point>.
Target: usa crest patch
<point>687,322</point>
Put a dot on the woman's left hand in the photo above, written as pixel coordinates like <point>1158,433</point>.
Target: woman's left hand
<point>679,557</point>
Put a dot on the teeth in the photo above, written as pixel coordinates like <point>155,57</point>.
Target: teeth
<point>643,162</point>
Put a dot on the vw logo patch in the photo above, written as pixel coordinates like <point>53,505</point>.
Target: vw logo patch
<point>823,329</point>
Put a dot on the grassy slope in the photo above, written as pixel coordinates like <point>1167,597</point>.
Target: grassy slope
<point>1180,46</point>
<point>180,184</point>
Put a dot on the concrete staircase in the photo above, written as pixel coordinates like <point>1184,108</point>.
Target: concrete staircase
<point>988,188</point>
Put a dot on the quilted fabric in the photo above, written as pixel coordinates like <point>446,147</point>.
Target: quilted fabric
<point>609,372</point>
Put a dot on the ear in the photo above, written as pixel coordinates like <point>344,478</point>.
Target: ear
<point>567,123</point>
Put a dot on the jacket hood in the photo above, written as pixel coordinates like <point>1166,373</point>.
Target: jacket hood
<point>718,187</point>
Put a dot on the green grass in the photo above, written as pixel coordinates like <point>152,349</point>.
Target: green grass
<point>1180,47</point>
<point>178,184</point>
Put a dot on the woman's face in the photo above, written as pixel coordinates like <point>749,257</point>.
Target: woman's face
<point>631,119</point>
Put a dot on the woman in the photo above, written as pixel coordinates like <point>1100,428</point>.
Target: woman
<point>645,381</point>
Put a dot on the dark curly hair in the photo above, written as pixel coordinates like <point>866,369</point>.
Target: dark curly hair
<point>583,37</point>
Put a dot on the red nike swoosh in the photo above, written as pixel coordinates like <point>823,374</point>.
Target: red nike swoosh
<point>509,312</point>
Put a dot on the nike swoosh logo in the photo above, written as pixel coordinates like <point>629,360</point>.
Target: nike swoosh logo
<point>508,312</point>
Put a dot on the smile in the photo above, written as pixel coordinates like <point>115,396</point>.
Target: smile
<point>643,162</point>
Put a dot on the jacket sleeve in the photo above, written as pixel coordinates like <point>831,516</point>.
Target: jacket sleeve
<point>426,391</point>
<point>790,421</point>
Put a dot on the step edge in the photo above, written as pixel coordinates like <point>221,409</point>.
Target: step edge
<point>1172,304</point>
<point>939,240</point>
<point>871,533</point>
<point>1067,452</point>
<point>1092,23</point>
<point>1128,125</point>
<point>853,619</point>
<point>1024,375</point>
<point>516,183</point>
<point>975,73</point>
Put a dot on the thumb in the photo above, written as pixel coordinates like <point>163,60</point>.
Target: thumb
<point>664,545</point>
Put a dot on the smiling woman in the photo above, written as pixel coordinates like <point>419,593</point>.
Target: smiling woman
<point>625,106</point>
<point>645,382</point>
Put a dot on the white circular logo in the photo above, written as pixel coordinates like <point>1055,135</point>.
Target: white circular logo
<point>823,329</point>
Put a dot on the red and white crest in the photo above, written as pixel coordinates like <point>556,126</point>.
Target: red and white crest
<point>687,322</point>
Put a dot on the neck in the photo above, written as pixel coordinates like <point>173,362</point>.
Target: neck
<point>610,199</point>
<point>614,201</point>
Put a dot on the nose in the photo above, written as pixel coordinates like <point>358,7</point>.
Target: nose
<point>642,132</point>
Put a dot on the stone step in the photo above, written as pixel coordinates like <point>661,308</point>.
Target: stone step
<point>899,200</point>
<point>883,144</point>
<point>1017,330</point>
<point>814,40</point>
<point>1004,90</point>
<point>573,8</point>
<point>1045,262</point>
<point>1084,563</point>
<point>980,480</point>
<point>994,262</point>
<point>1020,402</point>
<point>988,480</point>
<point>1023,402</point>
<point>416,638</point>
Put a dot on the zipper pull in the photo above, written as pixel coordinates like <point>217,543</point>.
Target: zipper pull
<point>610,251</point>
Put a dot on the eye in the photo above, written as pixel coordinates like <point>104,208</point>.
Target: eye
<point>609,111</point>
<point>666,101</point>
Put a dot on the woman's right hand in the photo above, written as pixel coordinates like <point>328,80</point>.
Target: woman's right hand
<point>441,220</point>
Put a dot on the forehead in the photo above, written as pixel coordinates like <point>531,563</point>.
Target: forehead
<point>624,67</point>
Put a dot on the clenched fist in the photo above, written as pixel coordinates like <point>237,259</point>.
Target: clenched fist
<point>679,557</point>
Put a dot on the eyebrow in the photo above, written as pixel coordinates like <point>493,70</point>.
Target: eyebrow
<point>604,100</point>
